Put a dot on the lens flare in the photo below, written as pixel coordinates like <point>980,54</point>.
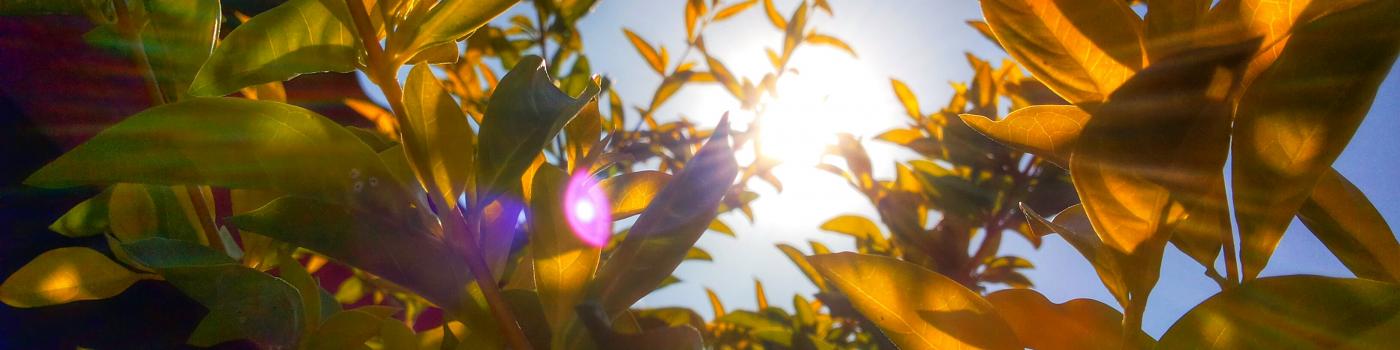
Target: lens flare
<point>587,210</point>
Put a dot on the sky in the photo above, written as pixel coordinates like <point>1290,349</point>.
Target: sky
<point>921,43</point>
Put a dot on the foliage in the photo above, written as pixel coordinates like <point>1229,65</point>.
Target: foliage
<point>459,198</point>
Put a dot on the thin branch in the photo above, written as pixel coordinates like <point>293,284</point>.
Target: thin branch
<point>126,27</point>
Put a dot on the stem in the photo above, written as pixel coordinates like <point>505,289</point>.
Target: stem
<point>206,221</point>
<point>382,71</point>
<point>127,29</point>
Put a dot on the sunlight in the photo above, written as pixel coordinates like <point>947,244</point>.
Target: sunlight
<point>823,98</point>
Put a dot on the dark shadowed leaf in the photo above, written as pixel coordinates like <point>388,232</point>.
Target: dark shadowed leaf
<point>297,37</point>
<point>1346,222</point>
<point>1074,324</point>
<point>1292,312</point>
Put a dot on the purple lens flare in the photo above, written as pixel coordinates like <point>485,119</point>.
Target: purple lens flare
<point>587,209</point>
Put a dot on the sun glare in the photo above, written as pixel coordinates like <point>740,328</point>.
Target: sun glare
<point>823,98</point>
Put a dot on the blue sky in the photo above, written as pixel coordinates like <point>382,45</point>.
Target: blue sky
<point>921,43</point>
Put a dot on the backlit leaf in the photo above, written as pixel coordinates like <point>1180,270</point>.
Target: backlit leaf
<point>563,263</point>
<point>443,142</point>
<point>88,218</point>
<point>226,142</point>
<point>1045,131</point>
<point>648,53</point>
<point>1074,324</point>
<point>734,9</point>
<point>1292,312</point>
<point>66,275</point>
<point>1346,222</point>
<point>906,96</point>
<point>858,227</point>
<point>177,40</point>
<point>1081,49</point>
<point>805,266</point>
<point>297,37</point>
<point>630,193</point>
<point>448,21</point>
<point>774,16</point>
<point>914,307</point>
<point>1298,115</point>
<point>823,39</point>
<point>526,111</point>
<point>670,225</point>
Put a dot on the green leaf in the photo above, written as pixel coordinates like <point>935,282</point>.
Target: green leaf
<point>66,275</point>
<point>526,111</point>
<point>1295,119</point>
<point>48,7</point>
<point>448,21</point>
<point>442,147</point>
<point>670,225</point>
<point>177,40</point>
<point>1081,49</point>
<point>88,218</point>
<point>226,142</point>
<point>348,329</point>
<point>914,307</point>
<point>1045,131</point>
<point>1075,324</point>
<point>759,326</point>
<point>563,263</point>
<point>295,274</point>
<point>604,336</point>
<point>630,193</point>
<point>297,37</point>
<point>391,246</point>
<point>1292,312</point>
<point>1346,222</point>
<point>243,303</point>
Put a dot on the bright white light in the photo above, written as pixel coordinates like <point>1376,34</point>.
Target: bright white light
<point>584,211</point>
<point>832,93</point>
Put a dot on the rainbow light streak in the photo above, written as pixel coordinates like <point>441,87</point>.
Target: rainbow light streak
<point>587,209</point>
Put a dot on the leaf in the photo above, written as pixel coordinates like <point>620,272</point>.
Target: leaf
<point>1171,25</point>
<point>735,9</point>
<point>1292,312</point>
<point>1146,127</point>
<point>66,275</point>
<point>297,37</point>
<point>858,227</point>
<point>914,307</point>
<point>906,96</point>
<point>805,266</point>
<point>605,337</point>
<point>581,134</point>
<point>447,22</point>
<point>88,218</point>
<point>226,142</point>
<point>563,263</point>
<point>1298,115</point>
<point>796,26</point>
<point>388,245</point>
<point>760,297</point>
<point>442,147</point>
<point>47,7</point>
<point>177,40</point>
<point>1046,131</point>
<point>695,253</point>
<point>526,111</point>
<point>630,193</point>
<point>290,270</point>
<point>1081,49</point>
<point>1346,222</point>
<point>1111,265</point>
<point>648,53</point>
<point>774,16</point>
<point>675,219</point>
<point>1077,324</point>
<point>395,335</point>
<point>759,326</point>
<point>715,305</point>
<point>693,8</point>
<point>348,329</point>
<point>721,227</point>
<point>823,39</point>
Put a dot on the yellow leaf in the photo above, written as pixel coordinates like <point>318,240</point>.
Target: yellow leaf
<point>1075,324</point>
<point>774,16</point>
<point>823,39</point>
<point>796,26</point>
<point>441,145</point>
<point>758,294</point>
<point>1299,114</point>
<point>563,263</point>
<point>1171,25</point>
<point>630,193</point>
<point>715,305</point>
<point>906,96</point>
<point>860,228</point>
<point>916,308</point>
<point>1351,227</point>
<point>66,275</point>
<point>1045,131</point>
<point>648,53</point>
<point>734,9</point>
<point>132,212</point>
<point>805,266</point>
<point>1292,312</point>
<point>1111,265</point>
<point>1081,49</point>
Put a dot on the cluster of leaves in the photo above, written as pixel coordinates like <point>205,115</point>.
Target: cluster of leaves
<point>1144,113</point>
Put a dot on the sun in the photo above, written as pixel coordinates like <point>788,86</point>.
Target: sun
<point>822,98</point>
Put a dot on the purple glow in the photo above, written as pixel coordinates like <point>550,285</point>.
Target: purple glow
<point>587,210</point>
